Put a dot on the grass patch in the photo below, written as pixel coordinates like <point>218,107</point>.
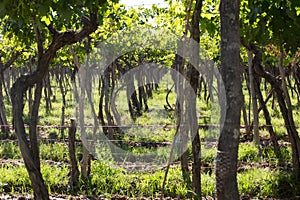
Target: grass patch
<point>264,183</point>
<point>14,179</point>
<point>248,153</point>
<point>57,152</point>
<point>107,181</point>
<point>9,150</point>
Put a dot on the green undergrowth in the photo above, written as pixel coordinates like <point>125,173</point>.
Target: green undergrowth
<point>14,179</point>
<point>107,181</point>
<point>57,152</point>
<point>9,150</point>
<point>251,153</point>
<point>266,183</point>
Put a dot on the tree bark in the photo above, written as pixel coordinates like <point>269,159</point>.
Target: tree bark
<point>48,93</point>
<point>193,77</point>
<point>291,124</point>
<point>247,127</point>
<point>33,124</point>
<point>3,120</point>
<point>73,161</point>
<point>253,101</point>
<point>101,106</point>
<point>63,92</point>
<point>226,162</point>
<point>3,67</point>
<point>38,185</point>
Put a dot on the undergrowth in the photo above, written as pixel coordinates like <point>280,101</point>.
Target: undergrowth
<point>107,181</point>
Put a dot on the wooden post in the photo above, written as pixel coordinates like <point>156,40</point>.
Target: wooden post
<point>72,153</point>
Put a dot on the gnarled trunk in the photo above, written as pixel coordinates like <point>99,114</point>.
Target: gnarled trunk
<point>18,91</point>
<point>25,82</point>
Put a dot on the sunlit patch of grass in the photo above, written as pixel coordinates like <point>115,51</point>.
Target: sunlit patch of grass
<point>104,180</point>
<point>248,153</point>
<point>113,181</point>
<point>56,177</point>
<point>15,179</point>
<point>208,184</point>
<point>52,151</point>
<point>263,183</point>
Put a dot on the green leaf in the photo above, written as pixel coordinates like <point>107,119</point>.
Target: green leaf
<point>46,19</point>
<point>297,11</point>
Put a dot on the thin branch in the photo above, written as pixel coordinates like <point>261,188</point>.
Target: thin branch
<point>38,36</point>
<point>187,26</point>
<point>75,57</point>
<point>196,21</point>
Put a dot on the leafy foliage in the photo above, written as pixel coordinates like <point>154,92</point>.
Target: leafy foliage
<point>271,22</point>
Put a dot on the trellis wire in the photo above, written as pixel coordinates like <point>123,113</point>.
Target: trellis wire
<point>154,126</point>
